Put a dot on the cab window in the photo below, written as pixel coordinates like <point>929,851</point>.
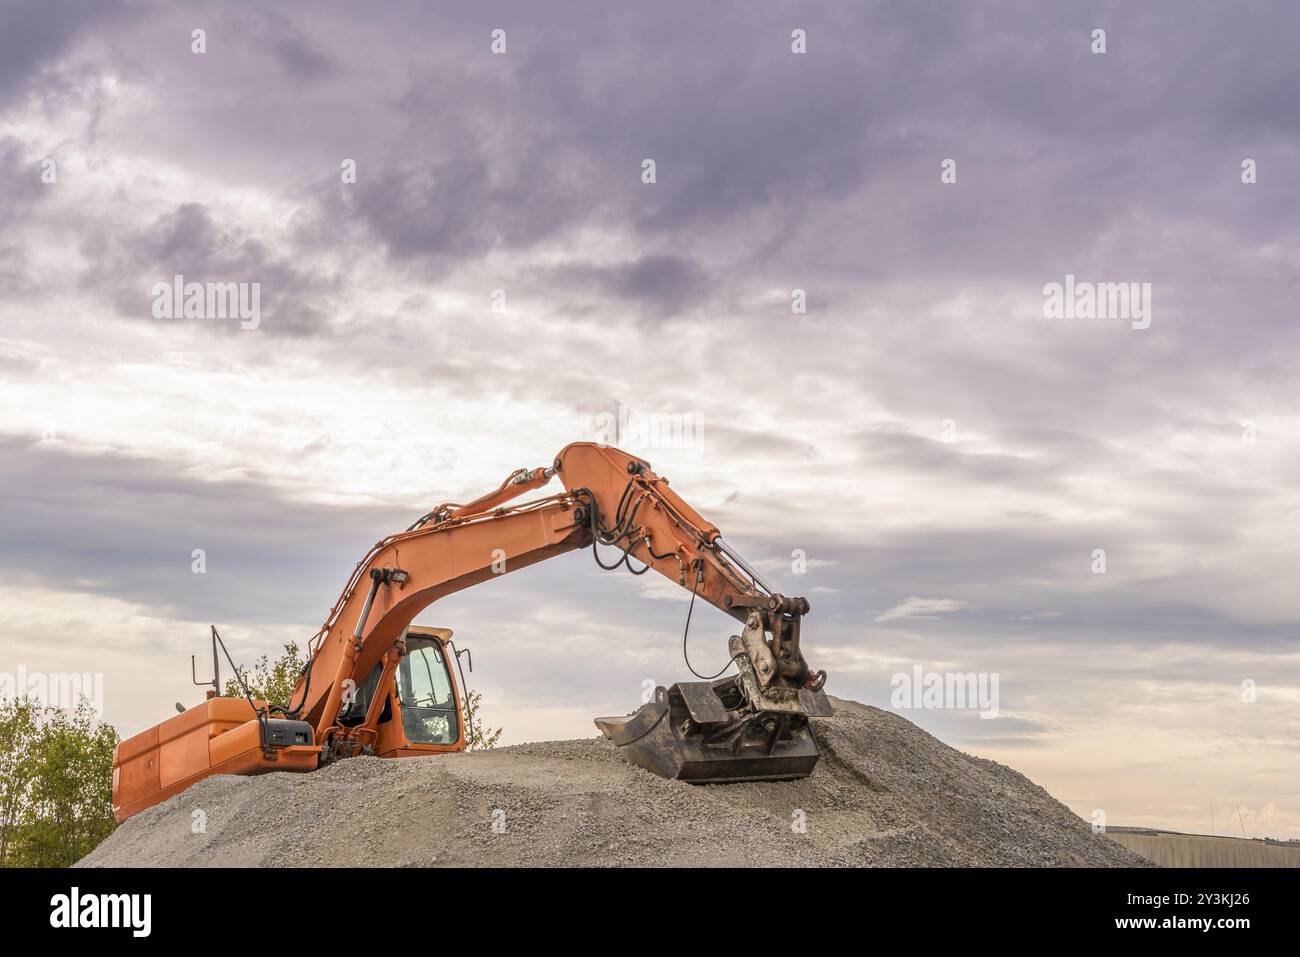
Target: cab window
<point>425,690</point>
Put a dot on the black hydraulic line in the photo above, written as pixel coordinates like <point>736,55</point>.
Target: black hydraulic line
<point>628,562</point>
<point>306,676</point>
<point>622,504</point>
<point>233,667</point>
<point>608,538</point>
<point>699,576</point>
<point>261,713</point>
<point>655,555</point>
<point>598,535</point>
<point>609,568</point>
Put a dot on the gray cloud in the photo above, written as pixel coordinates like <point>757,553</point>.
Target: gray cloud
<point>126,527</point>
<point>188,241</point>
<point>21,173</point>
<point>300,56</point>
<point>34,33</point>
<point>658,287</point>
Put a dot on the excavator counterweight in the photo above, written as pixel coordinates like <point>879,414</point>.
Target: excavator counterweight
<point>375,684</point>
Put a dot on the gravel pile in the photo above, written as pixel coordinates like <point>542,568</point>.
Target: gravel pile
<point>885,793</point>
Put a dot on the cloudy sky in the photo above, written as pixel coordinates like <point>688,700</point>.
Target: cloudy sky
<point>500,278</point>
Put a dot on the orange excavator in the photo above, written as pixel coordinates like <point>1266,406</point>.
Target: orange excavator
<point>375,684</point>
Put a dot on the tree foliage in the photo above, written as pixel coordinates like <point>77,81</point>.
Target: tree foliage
<point>272,683</point>
<point>56,783</point>
<point>477,737</point>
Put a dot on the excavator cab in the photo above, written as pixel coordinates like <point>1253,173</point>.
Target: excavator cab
<point>420,711</point>
<point>426,694</point>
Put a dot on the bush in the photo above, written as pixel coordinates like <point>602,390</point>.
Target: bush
<point>273,684</point>
<point>56,783</point>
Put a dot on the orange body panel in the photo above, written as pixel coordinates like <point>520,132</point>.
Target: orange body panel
<point>219,736</point>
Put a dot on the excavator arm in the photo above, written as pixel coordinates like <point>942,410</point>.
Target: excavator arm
<point>611,499</point>
<point>653,524</point>
<point>752,725</point>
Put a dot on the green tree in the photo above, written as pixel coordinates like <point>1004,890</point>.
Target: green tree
<point>71,801</point>
<point>477,737</point>
<point>272,683</point>
<point>56,783</point>
<point>19,730</point>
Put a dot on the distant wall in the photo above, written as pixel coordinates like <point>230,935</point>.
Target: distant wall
<point>1201,850</point>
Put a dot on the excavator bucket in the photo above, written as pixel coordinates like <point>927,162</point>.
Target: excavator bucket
<point>723,731</point>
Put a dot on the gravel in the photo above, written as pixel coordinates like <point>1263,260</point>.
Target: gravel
<point>885,793</point>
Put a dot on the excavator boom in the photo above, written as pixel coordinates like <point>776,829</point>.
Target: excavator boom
<point>357,694</point>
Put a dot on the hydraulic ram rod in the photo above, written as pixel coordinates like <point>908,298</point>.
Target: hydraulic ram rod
<point>731,553</point>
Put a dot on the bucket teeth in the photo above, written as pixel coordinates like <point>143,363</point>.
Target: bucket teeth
<point>705,732</point>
